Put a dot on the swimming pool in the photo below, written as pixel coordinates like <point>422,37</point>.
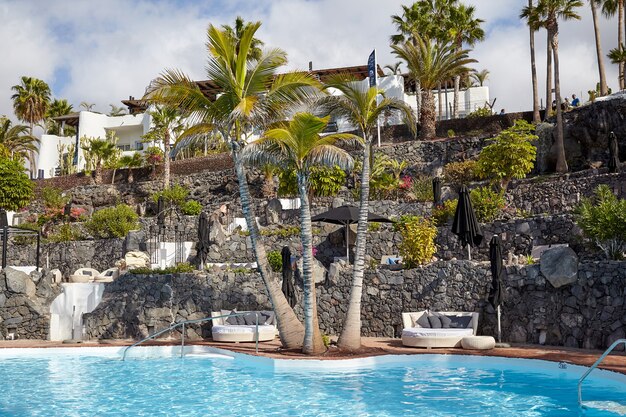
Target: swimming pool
<point>153,381</point>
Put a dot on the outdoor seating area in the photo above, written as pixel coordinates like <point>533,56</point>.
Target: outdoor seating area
<point>239,327</point>
<point>426,329</point>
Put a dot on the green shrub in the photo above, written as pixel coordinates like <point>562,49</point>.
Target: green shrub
<point>422,188</point>
<point>458,173</point>
<point>451,133</point>
<point>487,203</point>
<point>480,112</point>
<point>603,220</point>
<point>112,222</point>
<point>323,182</point>
<point>511,155</point>
<point>288,231</point>
<point>65,233</point>
<point>373,227</point>
<point>275,260</point>
<point>179,268</point>
<point>175,195</point>
<point>16,189</point>
<point>444,212</point>
<point>53,198</point>
<point>418,240</point>
<point>191,208</point>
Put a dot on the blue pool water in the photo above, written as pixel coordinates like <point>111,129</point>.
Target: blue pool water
<point>100,384</point>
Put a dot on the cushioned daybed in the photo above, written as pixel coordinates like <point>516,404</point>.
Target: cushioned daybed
<point>429,329</point>
<point>242,328</point>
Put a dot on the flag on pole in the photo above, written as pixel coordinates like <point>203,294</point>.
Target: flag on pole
<point>371,68</point>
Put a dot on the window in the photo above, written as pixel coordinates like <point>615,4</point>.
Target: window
<point>124,147</point>
<point>139,146</point>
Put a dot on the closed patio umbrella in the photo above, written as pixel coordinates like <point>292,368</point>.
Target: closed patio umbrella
<point>496,293</point>
<point>202,248</point>
<point>437,191</point>
<point>288,287</point>
<point>345,216</point>
<point>613,153</point>
<point>160,212</point>
<point>465,225</point>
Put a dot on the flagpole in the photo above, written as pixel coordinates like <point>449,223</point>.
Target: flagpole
<point>373,82</point>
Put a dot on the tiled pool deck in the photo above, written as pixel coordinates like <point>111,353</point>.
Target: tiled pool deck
<point>373,346</point>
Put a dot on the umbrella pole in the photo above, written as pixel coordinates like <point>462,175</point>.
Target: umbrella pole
<point>347,243</point>
<point>469,253</point>
<point>499,328</point>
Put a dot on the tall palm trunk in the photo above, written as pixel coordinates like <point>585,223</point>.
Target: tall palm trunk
<point>418,98</point>
<point>129,177</point>
<point>427,115</point>
<point>439,103</point>
<point>289,327</point>
<point>313,343</point>
<point>350,337</point>
<point>533,72</point>
<point>604,90</point>
<point>548,79</point>
<point>166,159</point>
<point>561,162</point>
<point>455,100</point>
<point>98,173</point>
<point>620,41</point>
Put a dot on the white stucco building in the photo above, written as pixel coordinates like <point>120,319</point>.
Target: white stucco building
<point>130,128</point>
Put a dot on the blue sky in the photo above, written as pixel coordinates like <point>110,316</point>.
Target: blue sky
<point>103,52</point>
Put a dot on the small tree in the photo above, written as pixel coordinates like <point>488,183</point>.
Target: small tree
<point>16,190</point>
<point>99,151</point>
<point>130,162</point>
<point>511,155</point>
<point>418,240</point>
<point>603,220</point>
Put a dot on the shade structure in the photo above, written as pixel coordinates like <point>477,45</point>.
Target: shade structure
<point>496,293</point>
<point>345,216</point>
<point>288,286</point>
<point>613,153</point>
<point>465,225</point>
<point>437,191</point>
<point>202,247</point>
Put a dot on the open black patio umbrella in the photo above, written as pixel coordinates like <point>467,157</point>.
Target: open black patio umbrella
<point>613,153</point>
<point>465,225</point>
<point>496,293</point>
<point>437,191</point>
<point>288,287</point>
<point>345,216</point>
<point>202,248</point>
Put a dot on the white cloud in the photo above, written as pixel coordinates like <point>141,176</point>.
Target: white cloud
<point>113,49</point>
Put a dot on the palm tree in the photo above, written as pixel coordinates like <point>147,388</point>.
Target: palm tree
<point>361,107</point>
<point>604,89</point>
<point>116,111</point>
<point>298,145</point>
<point>431,63</point>
<point>16,139</point>
<point>236,32</point>
<point>253,95</point>
<point>165,122</point>
<point>130,162</point>
<point>394,69</point>
<point>87,106</point>
<point>548,13</point>
<point>526,14</point>
<point>464,28</point>
<point>618,56</point>
<point>31,99</point>
<point>480,76</point>
<point>101,150</point>
<point>609,9</point>
<point>58,107</point>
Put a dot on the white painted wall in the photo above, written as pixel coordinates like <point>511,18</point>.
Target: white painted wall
<point>66,311</point>
<point>469,100</point>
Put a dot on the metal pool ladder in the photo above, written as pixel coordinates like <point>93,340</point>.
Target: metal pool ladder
<point>186,322</point>
<point>594,366</point>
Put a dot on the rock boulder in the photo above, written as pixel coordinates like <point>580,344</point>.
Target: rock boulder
<point>19,282</point>
<point>560,266</point>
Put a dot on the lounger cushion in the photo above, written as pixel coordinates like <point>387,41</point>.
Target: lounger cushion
<point>235,320</point>
<point>420,332</point>
<point>267,317</point>
<point>435,321</point>
<point>460,322</point>
<point>250,319</point>
<point>422,321</point>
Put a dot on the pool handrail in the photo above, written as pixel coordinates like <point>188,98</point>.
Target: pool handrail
<point>184,323</point>
<point>594,366</point>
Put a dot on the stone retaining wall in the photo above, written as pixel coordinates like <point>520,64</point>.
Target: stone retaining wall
<point>589,313</point>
